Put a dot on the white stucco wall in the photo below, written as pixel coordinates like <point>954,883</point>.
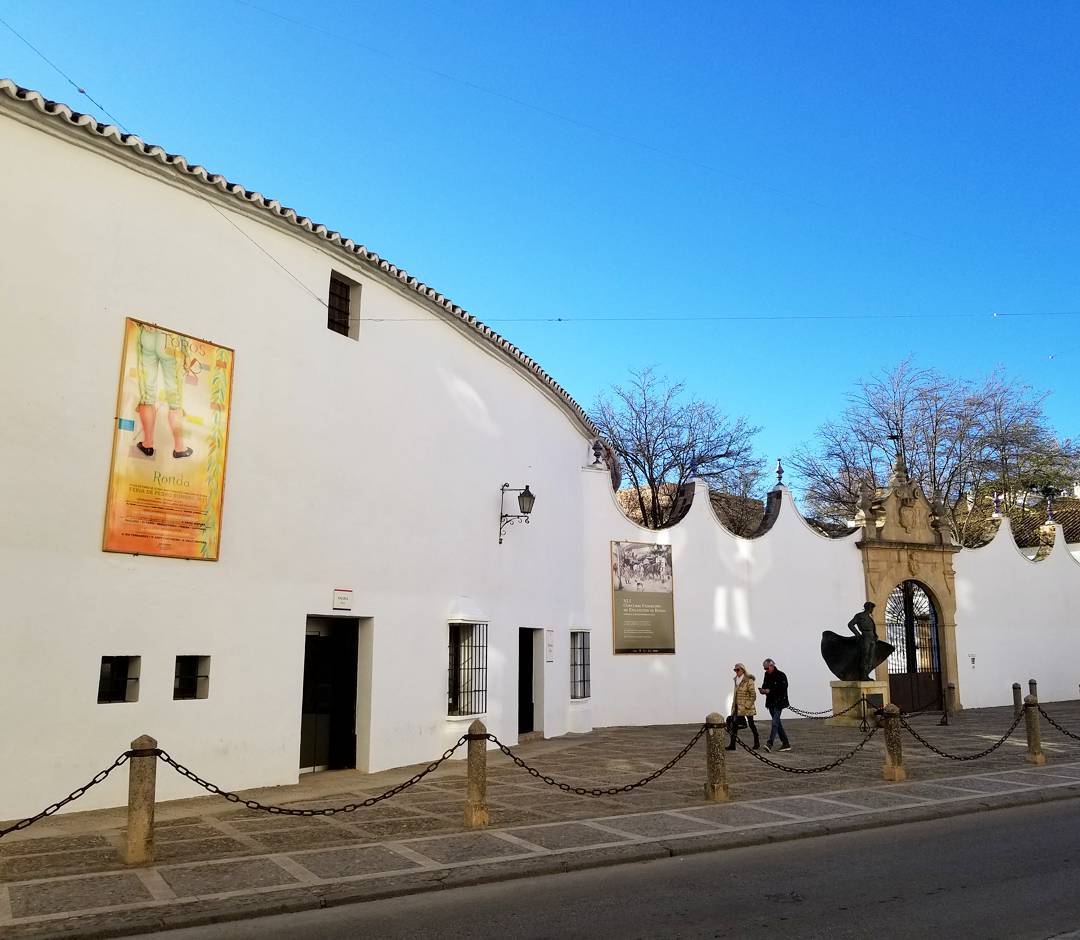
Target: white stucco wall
<point>1020,619</point>
<point>374,465</point>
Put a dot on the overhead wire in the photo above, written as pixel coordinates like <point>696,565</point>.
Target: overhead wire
<point>74,84</point>
<point>552,319</point>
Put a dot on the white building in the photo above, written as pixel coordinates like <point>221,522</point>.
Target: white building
<point>369,462</point>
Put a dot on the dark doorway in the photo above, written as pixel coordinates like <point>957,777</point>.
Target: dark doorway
<point>328,711</point>
<point>911,626</point>
<point>526,707</point>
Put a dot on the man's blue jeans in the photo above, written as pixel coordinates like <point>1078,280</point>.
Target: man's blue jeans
<point>777,729</point>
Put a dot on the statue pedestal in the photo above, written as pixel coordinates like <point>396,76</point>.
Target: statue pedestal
<point>846,694</point>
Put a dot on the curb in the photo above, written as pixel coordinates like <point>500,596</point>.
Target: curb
<point>295,900</point>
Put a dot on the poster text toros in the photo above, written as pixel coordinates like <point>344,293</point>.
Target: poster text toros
<point>169,445</point>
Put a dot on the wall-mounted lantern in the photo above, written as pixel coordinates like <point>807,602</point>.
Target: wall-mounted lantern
<point>526,499</point>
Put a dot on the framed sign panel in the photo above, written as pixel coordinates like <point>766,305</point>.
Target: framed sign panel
<point>170,440</point>
<point>642,598</point>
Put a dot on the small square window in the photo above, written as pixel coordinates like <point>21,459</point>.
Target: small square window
<point>343,306</point>
<point>192,677</point>
<point>119,679</point>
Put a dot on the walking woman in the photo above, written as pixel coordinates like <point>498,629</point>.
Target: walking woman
<point>744,706</point>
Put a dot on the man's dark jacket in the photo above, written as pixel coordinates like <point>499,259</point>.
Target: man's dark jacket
<point>775,686</point>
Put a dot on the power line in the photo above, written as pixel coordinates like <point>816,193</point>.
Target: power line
<point>74,84</point>
<point>747,317</point>
<point>715,318</point>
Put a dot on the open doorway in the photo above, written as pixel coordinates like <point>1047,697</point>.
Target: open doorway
<point>328,709</point>
<point>530,681</point>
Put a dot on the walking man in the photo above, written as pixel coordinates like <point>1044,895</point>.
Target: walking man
<point>774,688</point>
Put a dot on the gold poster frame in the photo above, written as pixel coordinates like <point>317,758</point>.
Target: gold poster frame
<point>116,442</point>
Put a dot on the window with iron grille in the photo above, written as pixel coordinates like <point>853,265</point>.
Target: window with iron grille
<point>192,677</point>
<point>339,304</point>
<point>467,676</point>
<point>119,679</point>
<point>579,664</point>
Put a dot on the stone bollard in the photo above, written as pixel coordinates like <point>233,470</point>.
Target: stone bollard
<point>1018,700</point>
<point>142,781</point>
<point>894,751</point>
<point>476,811</point>
<point>1034,736</point>
<point>716,786</point>
<point>1033,688</point>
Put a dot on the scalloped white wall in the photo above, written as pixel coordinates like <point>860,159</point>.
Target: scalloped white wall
<point>1020,619</point>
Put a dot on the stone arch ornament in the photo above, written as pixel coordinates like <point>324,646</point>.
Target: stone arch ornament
<point>906,538</point>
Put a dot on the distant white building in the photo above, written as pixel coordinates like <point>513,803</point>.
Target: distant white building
<point>361,610</point>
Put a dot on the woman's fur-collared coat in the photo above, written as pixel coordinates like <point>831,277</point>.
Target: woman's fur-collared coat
<point>746,696</point>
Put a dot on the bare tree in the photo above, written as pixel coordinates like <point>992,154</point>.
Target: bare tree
<point>962,441</point>
<point>663,441</point>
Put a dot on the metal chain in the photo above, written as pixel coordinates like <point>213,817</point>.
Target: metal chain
<point>809,770</point>
<point>962,757</point>
<point>599,791</point>
<point>927,707</point>
<point>1064,731</point>
<point>828,713</point>
<point>824,713</point>
<point>70,798</point>
<point>294,811</point>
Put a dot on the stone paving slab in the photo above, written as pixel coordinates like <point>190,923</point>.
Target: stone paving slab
<point>75,894</point>
<point>217,860</point>
<point>373,859</point>
<point>221,877</point>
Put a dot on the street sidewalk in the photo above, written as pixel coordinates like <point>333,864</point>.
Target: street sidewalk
<point>216,862</point>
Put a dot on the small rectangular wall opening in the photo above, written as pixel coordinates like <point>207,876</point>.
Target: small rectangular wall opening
<point>191,677</point>
<point>343,306</point>
<point>118,680</point>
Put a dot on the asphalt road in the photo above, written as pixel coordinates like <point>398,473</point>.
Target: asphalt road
<point>1009,873</point>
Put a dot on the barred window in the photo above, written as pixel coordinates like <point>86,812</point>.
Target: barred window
<point>339,306</point>
<point>118,680</point>
<point>579,664</point>
<point>192,677</point>
<point>467,677</point>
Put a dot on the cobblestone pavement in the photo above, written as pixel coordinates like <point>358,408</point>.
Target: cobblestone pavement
<point>216,861</point>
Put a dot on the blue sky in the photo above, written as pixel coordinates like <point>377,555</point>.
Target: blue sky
<point>915,165</point>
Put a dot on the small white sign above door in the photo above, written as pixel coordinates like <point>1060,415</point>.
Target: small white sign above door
<point>342,599</point>
<point>549,646</point>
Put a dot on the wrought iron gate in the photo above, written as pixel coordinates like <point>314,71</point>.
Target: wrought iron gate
<point>911,625</point>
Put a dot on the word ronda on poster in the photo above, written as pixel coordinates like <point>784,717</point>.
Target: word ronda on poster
<point>169,445</point>
<point>642,598</point>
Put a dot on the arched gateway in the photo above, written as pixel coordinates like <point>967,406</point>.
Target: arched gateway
<point>911,626</point>
<point>907,549</point>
